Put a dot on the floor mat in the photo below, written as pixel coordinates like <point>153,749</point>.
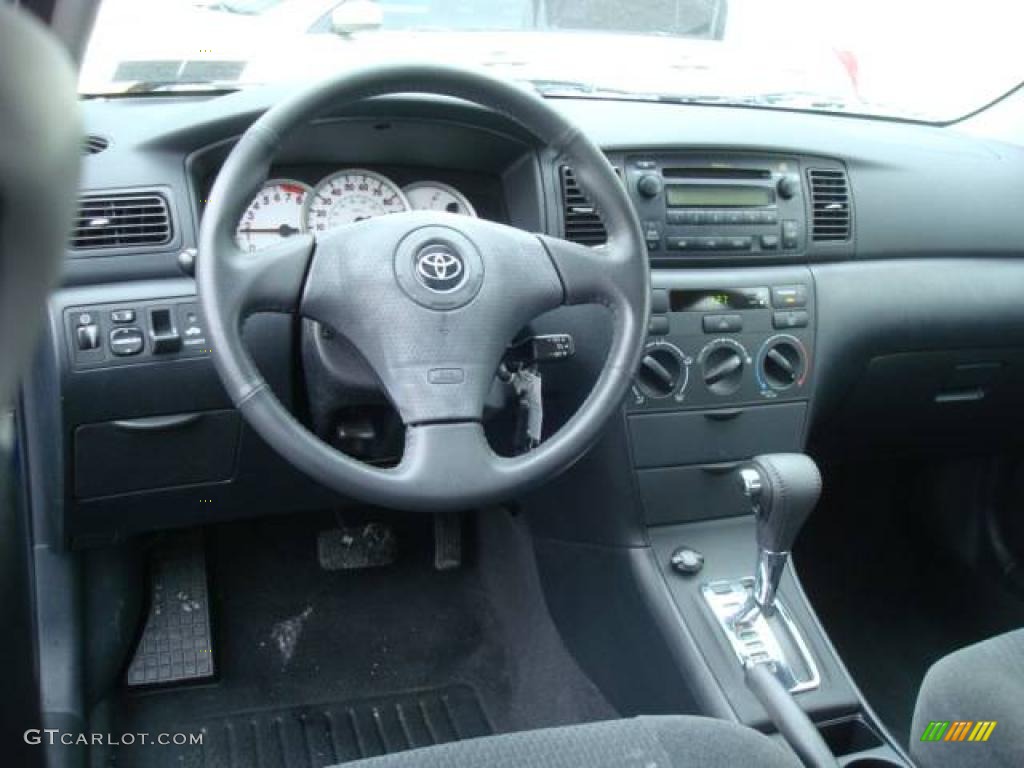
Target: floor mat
<point>325,734</point>
<point>290,634</point>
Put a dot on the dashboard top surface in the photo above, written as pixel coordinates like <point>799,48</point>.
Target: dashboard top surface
<point>917,190</point>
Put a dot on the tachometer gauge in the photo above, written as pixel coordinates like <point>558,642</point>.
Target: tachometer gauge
<point>275,212</point>
<point>435,196</point>
<point>352,195</point>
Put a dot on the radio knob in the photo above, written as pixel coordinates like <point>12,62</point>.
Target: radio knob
<point>722,369</point>
<point>649,185</point>
<point>788,187</point>
<point>661,371</point>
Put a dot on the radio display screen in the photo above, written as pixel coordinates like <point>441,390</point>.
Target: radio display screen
<point>714,300</point>
<point>717,196</point>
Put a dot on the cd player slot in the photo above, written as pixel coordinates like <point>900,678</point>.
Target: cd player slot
<point>716,173</point>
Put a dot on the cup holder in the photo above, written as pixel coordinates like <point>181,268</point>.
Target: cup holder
<point>850,735</point>
<point>857,744</point>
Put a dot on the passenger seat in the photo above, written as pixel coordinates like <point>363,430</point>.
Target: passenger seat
<point>982,683</point>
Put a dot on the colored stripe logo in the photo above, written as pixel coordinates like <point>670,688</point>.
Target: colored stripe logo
<point>958,730</point>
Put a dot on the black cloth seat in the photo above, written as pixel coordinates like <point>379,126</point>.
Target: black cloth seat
<point>982,682</point>
<point>642,742</point>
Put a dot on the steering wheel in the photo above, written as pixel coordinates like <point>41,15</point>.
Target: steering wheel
<point>430,299</point>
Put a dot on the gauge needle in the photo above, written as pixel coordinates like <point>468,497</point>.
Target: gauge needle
<point>284,230</point>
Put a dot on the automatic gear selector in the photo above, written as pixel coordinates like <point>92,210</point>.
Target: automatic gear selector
<point>783,489</point>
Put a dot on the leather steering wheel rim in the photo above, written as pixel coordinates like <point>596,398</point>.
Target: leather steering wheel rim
<point>343,281</point>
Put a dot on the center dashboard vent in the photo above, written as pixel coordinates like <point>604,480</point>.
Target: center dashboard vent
<point>830,203</point>
<point>120,220</point>
<point>582,221</point>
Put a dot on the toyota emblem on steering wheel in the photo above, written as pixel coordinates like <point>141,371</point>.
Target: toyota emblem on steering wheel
<point>440,269</point>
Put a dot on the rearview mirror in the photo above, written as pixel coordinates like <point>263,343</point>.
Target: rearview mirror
<point>356,16</point>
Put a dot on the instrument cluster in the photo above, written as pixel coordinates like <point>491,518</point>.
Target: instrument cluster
<point>284,207</point>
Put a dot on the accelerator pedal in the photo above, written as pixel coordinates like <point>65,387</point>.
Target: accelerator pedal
<point>176,645</point>
<point>447,541</point>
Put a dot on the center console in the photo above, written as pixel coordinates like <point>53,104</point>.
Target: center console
<point>648,548</point>
<point>727,372</point>
<point>728,366</point>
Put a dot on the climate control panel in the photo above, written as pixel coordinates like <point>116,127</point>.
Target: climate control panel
<point>718,339</point>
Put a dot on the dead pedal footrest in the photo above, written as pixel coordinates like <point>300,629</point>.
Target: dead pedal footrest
<point>176,643</point>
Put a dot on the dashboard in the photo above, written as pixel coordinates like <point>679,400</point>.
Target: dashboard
<point>817,280</point>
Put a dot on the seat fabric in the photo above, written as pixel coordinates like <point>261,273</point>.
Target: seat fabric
<point>977,683</point>
<point>643,742</point>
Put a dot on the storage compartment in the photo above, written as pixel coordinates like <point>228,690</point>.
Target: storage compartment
<point>685,494</point>
<point>709,437</point>
<point>849,736</point>
<point>855,742</point>
<point>119,457</point>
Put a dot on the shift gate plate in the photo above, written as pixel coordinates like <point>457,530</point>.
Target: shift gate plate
<point>773,640</point>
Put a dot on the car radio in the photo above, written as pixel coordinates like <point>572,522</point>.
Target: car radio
<point>708,205</point>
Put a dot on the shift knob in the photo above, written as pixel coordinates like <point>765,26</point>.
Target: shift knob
<point>783,489</point>
<point>784,492</point>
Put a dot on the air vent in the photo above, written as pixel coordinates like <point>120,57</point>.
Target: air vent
<point>93,145</point>
<point>120,220</point>
<point>582,222</point>
<point>830,199</point>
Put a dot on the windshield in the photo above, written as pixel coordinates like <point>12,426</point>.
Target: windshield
<point>916,59</point>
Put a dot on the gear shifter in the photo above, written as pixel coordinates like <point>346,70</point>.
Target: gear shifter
<point>783,489</point>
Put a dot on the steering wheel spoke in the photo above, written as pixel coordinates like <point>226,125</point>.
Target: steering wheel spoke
<point>441,457</point>
<point>270,279</point>
<point>590,275</point>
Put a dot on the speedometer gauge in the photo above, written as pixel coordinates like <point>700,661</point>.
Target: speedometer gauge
<point>275,212</point>
<point>350,196</point>
<point>435,196</point>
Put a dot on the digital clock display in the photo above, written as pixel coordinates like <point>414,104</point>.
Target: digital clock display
<point>717,196</point>
<point>715,300</point>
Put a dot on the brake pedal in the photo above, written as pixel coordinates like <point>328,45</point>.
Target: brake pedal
<point>176,645</point>
<point>349,548</point>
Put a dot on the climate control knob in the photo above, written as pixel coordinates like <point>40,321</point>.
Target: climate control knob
<point>722,364</point>
<point>782,363</point>
<point>662,371</point>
